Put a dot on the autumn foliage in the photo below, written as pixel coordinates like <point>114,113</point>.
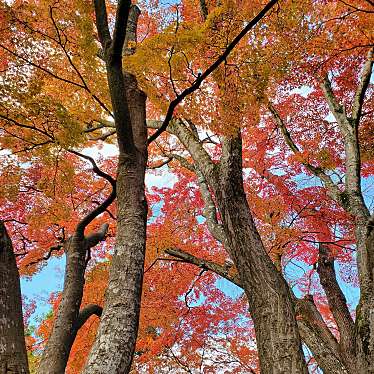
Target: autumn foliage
<point>55,100</point>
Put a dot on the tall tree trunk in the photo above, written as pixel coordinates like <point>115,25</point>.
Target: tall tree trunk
<point>115,342</point>
<point>56,354</point>
<point>365,311</point>
<point>270,303</point>
<point>13,357</point>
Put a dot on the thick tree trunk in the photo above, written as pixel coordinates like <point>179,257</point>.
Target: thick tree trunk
<point>365,311</point>
<point>56,353</point>
<point>269,298</point>
<point>115,343</point>
<point>270,301</point>
<point>13,358</point>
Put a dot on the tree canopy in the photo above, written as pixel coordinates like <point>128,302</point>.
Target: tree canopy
<point>257,118</point>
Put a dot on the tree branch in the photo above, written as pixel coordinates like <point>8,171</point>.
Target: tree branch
<point>86,313</point>
<point>313,329</point>
<point>131,31</point>
<point>102,24</point>
<point>209,70</point>
<point>336,108</point>
<point>203,9</point>
<point>336,299</point>
<point>221,270</point>
<point>312,317</point>
<point>352,200</point>
<point>317,171</point>
<point>120,27</point>
<point>46,257</point>
<point>94,238</point>
<point>104,205</point>
<point>195,148</point>
<point>210,210</point>
<point>325,356</point>
<point>361,89</point>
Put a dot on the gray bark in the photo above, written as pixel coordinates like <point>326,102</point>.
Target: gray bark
<point>357,342</point>
<point>65,327</point>
<point>277,334</point>
<point>313,330</point>
<point>13,358</point>
<point>115,342</point>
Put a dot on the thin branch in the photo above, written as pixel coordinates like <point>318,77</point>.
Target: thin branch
<point>161,164</point>
<point>103,136</point>
<point>209,70</point>
<point>79,74</point>
<point>46,257</point>
<point>317,171</point>
<point>41,68</point>
<point>105,204</point>
<point>22,125</point>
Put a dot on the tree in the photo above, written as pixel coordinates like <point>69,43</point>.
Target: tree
<point>13,350</point>
<point>350,87</point>
<point>251,195</point>
<point>117,333</point>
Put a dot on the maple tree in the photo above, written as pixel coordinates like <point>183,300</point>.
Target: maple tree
<point>246,137</point>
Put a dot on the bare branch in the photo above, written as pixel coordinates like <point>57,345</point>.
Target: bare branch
<point>221,270</point>
<point>209,70</point>
<point>105,204</point>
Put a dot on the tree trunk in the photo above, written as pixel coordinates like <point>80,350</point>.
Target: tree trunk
<point>57,350</point>
<point>270,301</point>
<point>115,342</point>
<point>365,311</point>
<point>13,357</point>
<point>269,298</point>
